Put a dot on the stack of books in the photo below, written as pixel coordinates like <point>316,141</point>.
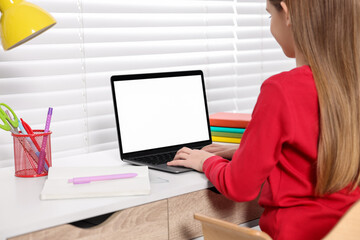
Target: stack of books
<point>228,127</point>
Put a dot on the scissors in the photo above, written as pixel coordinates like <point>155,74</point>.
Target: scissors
<point>10,123</point>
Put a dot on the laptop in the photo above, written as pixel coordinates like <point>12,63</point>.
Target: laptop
<point>159,113</point>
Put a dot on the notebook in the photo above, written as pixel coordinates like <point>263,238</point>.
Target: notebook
<point>159,113</point>
<point>57,184</point>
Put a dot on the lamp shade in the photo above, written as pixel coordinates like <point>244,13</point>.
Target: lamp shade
<point>21,21</point>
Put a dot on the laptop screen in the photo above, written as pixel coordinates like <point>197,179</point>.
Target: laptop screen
<point>160,110</point>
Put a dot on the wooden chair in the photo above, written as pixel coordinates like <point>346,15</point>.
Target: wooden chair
<point>348,228</point>
<point>216,229</point>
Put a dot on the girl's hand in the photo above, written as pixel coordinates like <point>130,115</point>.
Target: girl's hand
<point>222,150</point>
<point>189,158</point>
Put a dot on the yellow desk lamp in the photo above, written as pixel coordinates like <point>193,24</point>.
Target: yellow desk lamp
<point>21,21</point>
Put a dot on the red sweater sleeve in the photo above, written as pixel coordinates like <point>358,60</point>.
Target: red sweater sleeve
<point>271,126</point>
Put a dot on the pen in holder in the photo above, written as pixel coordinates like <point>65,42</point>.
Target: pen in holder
<point>27,158</point>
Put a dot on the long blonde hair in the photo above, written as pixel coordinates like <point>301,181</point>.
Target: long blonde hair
<point>327,33</point>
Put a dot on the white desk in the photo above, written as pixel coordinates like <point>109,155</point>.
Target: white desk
<point>22,211</point>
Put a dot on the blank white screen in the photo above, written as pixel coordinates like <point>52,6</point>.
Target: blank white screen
<point>160,112</point>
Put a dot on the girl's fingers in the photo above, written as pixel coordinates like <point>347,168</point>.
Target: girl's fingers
<point>177,163</point>
<point>181,156</point>
<point>185,150</point>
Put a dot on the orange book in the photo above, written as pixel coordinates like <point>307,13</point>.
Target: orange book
<point>232,120</point>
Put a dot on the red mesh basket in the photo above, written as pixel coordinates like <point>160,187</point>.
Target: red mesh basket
<point>26,153</point>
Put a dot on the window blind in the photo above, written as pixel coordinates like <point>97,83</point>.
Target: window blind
<point>69,66</point>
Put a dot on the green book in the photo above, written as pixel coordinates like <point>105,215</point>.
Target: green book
<point>227,134</point>
<point>226,129</point>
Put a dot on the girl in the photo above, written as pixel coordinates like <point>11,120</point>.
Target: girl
<point>302,146</point>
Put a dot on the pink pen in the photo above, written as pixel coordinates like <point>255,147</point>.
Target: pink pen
<point>82,180</point>
<point>43,145</point>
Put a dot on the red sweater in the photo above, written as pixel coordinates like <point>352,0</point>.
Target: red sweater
<point>279,149</point>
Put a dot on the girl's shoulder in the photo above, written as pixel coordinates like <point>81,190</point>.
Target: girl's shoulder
<point>298,74</point>
<point>295,79</point>
<point>297,83</point>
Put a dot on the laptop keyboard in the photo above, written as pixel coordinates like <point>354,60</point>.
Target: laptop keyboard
<point>156,159</point>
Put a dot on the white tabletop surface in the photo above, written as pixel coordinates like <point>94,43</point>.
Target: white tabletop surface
<point>22,211</point>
